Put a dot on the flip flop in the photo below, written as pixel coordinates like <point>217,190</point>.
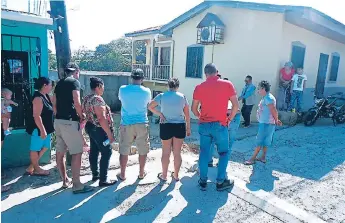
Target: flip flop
<point>85,189</point>
<point>142,177</point>
<point>260,160</point>
<point>172,176</point>
<point>5,188</point>
<point>120,178</point>
<point>69,183</point>
<point>249,162</point>
<point>161,178</point>
<point>43,174</point>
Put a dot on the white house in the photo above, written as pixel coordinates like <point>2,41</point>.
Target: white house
<point>244,38</point>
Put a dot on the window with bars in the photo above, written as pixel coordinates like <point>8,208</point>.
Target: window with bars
<point>194,61</point>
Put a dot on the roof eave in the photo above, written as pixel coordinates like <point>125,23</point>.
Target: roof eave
<point>136,34</point>
<point>20,17</point>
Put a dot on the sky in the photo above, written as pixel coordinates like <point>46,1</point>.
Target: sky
<point>95,22</point>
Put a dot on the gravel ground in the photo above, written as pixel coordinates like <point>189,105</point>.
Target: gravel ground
<point>305,167</point>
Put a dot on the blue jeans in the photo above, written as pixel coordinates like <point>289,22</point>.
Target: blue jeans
<point>213,131</point>
<point>233,128</point>
<point>296,96</point>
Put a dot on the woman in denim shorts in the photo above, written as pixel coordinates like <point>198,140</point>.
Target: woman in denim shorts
<point>267,116</point>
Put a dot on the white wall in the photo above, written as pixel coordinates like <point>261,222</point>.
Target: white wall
<point>251,46</point>
<point>315,44</point>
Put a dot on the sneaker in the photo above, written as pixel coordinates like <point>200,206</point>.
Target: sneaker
<point>246,126</point>
<point>107,183</point>
<point>227,184</point>
<point>202,185</point>
<point>210,164</point>
<point>7,132</point>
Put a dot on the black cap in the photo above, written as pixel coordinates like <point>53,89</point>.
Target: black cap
<point>71,67</point>
<point>137,74</point>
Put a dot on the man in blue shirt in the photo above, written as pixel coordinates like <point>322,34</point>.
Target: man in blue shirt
<point>134,121</point>
<point>248,100</point>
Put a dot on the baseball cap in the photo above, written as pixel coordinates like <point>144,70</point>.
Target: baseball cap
<point>71,67</point>
<point>137,74</point>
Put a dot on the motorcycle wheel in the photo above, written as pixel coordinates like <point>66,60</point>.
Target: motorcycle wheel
<point>310,118</point>
<point>340,118</point>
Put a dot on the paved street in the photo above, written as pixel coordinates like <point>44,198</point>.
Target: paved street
<point>304,177</point>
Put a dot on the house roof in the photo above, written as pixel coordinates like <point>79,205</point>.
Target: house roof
<point>305,17</point>
<point>208,19</point>
<point>25,17</point>
<point>147,31</point>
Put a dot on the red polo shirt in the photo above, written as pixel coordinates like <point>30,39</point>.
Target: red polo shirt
<point>213,95</point>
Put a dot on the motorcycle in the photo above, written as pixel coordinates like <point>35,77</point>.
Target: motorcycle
<point>332,107</point>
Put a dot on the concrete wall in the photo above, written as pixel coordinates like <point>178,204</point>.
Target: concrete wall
<point>315,44</point>
<point>15,151</point>
<point>112,83</point>
<point>251,46</point>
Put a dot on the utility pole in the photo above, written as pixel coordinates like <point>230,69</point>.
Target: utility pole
<point>62,45</point>
<point>61,35</point>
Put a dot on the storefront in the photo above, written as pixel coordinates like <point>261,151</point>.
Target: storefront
<point>24,56</point>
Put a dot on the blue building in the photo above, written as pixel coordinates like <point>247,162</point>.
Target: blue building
<point>24,56</point>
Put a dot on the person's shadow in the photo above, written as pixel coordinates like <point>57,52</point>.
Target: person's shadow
<point>261,177</point>
<point>202,206</point>
<point>149,206</point>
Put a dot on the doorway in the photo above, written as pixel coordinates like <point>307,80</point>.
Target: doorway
<point>15,77</point>
<point>321,75</point>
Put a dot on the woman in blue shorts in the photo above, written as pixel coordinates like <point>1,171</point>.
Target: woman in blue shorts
<point>267,116</point>
<point>41,125</point>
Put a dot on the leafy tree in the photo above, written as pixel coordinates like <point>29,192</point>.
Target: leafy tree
<point>112,57</point>
<point>52,63</point>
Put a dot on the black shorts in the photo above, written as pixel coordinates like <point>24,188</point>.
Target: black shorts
<point>170,130</point>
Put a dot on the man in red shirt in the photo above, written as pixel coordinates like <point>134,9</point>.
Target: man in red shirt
<point>213,95</point>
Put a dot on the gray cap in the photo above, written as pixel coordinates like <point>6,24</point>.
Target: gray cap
<point>71,66</point>
<point>137,74</point>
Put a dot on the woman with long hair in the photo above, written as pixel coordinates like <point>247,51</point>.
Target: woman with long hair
<point>174,125</point>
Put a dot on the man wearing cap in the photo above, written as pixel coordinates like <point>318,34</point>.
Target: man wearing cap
<point>213,123</point>
<point>68,114</point>
<point>134,122</point>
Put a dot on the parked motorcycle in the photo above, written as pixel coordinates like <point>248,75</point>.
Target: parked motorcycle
<point>332,107</point>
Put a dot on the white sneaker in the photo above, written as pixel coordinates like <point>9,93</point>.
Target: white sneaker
<point>7,132</point>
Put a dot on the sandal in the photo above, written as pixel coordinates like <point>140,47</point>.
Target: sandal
<point>161,178</point>
<point>120,178</point>
<point>5,188</point>
<point>143,176</point>
<point>172,176</point>
<point>262,160</point>
<point>69,183</point>
<point>249,162</point>
<point>42,174</point>
<point>85,189</point>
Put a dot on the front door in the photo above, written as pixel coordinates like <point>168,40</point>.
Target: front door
<point>321,75</point>
<point>15,76</point>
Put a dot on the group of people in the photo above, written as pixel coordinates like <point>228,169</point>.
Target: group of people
<point>291,87</point>
<point>66,114</point>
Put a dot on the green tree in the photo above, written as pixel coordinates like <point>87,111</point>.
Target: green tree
<point>112,57</point>
<point>52,63</point>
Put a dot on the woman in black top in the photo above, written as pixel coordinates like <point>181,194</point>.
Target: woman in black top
<point>40,127</point>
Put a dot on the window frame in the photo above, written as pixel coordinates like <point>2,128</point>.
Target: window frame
<point>202,64</point>
<point>334,54</point>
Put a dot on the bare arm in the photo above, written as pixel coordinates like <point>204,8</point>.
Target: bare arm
<point>195,108</point>
<point>77,103</point>
<point>12,103</point>
<point>101,116</point>
<point>37,105</point>
<point>54,103</point>
<point>187,116</point>
<point>274,112</point>
<point>152,107</point>
<point>304,84</point>
<point>235,106</point>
